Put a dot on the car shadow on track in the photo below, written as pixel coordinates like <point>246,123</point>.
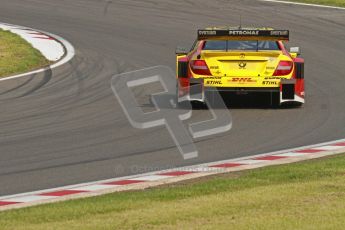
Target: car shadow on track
<point>248,101</point>
<point>233,101</point>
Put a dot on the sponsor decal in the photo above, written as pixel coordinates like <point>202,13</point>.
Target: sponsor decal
<point>270,83</point>
<point>213,82</point>
<point>215,68</point>
<point>244,32</point>
<point>242,80</point>
<point>279,33</point>
<point>207,32</point>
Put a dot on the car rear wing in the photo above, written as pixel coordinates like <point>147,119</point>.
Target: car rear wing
<point>242,34</point>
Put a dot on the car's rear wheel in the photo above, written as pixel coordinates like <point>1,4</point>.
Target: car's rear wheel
<point>182,104</point>
<point>186,104</point>
<point>275,99</point>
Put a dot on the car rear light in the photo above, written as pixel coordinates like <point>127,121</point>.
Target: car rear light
<point>200,67</point>
<point>284,68</point>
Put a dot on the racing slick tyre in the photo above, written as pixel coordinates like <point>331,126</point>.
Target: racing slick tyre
<point>275,100</point>
<point>184,104</point>
<point>198,105</point>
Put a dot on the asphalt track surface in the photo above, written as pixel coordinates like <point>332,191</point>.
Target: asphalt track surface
<point>65,126</point>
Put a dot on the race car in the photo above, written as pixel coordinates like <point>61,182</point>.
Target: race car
<point>242,61</point>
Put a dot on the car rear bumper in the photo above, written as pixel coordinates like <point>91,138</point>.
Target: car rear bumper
<point>243,89</point>
<point>289,91</point>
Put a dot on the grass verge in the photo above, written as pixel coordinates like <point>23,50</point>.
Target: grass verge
<point>307,195</point>
<point>340,3</point>
<point>17,55</point>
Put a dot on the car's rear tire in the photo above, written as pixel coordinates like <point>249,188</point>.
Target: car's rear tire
<point>198,105</point>
<point>182,104</point>
<point>275,100</point>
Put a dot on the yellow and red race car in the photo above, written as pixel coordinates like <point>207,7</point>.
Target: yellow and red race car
<point>241,60</point>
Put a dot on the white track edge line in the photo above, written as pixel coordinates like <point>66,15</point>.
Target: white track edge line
<point>304,4</point>
<point>69,49</point>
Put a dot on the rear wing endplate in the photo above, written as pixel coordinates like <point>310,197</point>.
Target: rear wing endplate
<point>273,35</point>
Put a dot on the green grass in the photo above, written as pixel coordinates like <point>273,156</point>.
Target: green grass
<point>307,195</point>
<point>17,55</point>
<point>340,3</point>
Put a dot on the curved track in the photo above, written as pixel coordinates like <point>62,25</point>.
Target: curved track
<point>65,126</point>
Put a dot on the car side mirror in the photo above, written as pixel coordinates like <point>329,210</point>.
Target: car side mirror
<point>181,51</point>
<point>295,50</point>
